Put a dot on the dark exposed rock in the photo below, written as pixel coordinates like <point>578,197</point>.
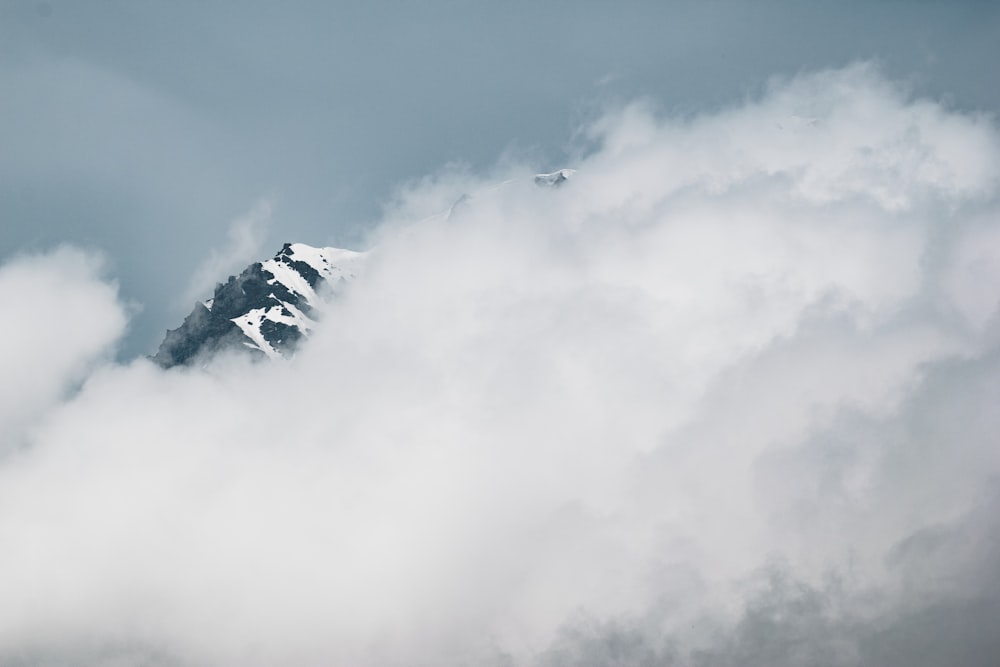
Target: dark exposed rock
<point>210,327</point>
<point>203,332</point>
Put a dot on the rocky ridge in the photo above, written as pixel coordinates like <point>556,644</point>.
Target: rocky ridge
<point>266,310</point>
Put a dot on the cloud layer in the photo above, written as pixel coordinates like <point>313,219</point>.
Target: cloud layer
<point>724,398</point>
<point>59,318</point>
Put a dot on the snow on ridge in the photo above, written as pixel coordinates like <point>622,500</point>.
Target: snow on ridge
<point>333,265</point>
<point>324,260</point>
<point>249,324</point>
<point>287,275</point>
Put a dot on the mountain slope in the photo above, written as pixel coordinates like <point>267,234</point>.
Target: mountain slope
<point>265,310</point>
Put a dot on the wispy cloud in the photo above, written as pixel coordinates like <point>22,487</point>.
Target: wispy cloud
<point>59,318</point>
<point>244,244</point>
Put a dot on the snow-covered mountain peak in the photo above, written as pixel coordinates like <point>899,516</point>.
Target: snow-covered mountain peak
<point>267,309</point>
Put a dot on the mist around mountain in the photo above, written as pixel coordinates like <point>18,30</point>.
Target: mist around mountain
<point>724,397</point>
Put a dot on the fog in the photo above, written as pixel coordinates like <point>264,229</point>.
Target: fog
<point>725,397</point>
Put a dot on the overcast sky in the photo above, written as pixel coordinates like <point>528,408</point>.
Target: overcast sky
<point>146,129</point>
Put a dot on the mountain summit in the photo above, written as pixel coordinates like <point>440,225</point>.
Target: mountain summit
<point>265,310</point>
<point>270,307</point>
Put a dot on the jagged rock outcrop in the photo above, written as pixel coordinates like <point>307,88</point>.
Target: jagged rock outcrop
<point>265,310</point>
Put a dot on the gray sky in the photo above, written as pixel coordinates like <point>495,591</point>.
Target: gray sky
<point>145,129</point>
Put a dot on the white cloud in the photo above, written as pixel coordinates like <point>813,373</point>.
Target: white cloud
<point>59,317</point>
<point>740,340</point>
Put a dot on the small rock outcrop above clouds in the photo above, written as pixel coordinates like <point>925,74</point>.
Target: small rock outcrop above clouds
<point>266,310</point>
<point>555,179</point>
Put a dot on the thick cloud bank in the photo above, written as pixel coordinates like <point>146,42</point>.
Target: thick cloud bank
<point>58,319</point>
<point>725,398</point>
